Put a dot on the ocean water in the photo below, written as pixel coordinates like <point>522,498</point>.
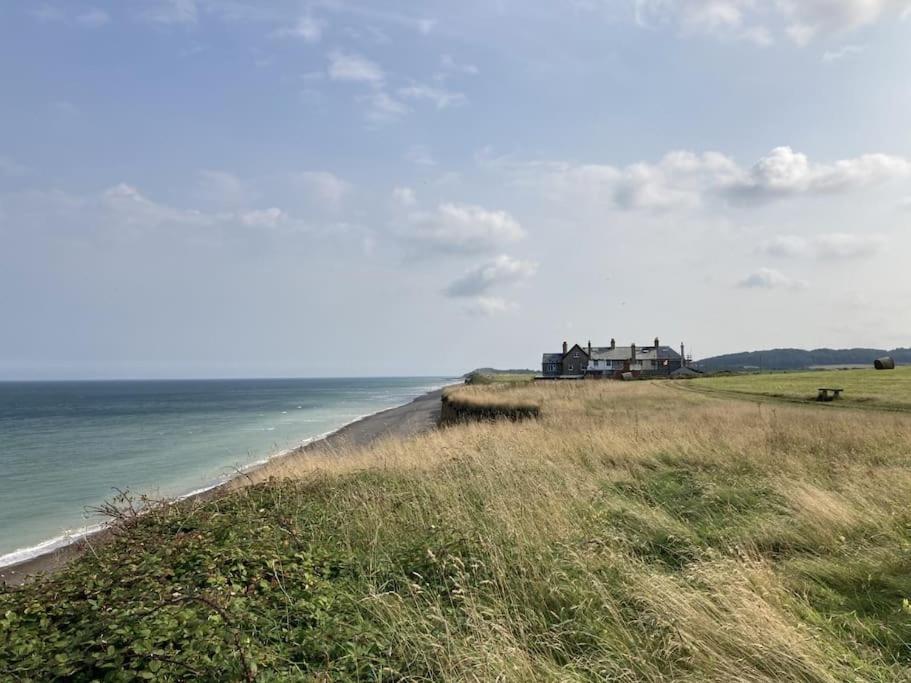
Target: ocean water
<point>65,446</point>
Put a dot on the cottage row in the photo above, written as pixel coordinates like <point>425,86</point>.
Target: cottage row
<point>613,362</point>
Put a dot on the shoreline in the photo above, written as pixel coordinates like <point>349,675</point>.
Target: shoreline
<point>419,415</point>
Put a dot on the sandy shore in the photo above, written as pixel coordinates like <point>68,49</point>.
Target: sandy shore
<point>421,415</point>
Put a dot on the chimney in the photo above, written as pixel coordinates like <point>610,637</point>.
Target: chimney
<point>589,348</point>
<point>613,344</point>
<point>565,348</point>
<point>632,348</point>
<point>682,356</point>
<point>657,343</point>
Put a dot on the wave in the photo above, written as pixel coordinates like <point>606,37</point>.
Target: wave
<point>71,536</point>
<point>51,545</point>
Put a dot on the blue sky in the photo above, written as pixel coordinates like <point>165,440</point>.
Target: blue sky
<point>205,188</point>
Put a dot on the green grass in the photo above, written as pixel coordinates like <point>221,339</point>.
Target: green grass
<point>888,389</point>
<point>633,532</point>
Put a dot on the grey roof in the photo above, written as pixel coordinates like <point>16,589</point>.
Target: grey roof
<point>642,352</point>
<point>619,353</point>
<point>607,353</point>
<point>666,352</point>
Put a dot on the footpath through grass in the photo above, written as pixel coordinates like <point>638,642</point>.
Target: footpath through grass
<point>631,533</point>
<point>866,388</point>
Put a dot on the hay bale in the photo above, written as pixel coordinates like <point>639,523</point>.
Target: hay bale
<point>884,363</point>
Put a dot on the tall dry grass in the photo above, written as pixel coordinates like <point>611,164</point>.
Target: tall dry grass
<point>635,532</point>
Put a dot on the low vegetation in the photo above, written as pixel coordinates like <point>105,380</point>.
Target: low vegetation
<point>633,532</point>
<point>867,388</point>
<point>485,377</point>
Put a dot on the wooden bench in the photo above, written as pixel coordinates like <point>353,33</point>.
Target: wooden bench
<point>828,394</point>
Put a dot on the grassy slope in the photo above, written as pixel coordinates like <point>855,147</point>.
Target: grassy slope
<point>867,388</point>
<point>633,532</point>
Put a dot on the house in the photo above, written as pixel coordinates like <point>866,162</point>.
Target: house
<point>573,362</point>
<point>612,362</point>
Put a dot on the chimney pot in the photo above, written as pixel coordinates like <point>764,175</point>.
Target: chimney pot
<point>613,343</point>
<point>565,348</point>
<point>657,343</point>
<point>589,348</point>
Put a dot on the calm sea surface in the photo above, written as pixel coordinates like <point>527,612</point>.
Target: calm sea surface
<point>65,446</point>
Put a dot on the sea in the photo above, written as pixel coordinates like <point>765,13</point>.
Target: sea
<point>68,447</point>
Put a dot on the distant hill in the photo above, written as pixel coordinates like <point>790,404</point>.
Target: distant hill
<point>497,371</point>
<point>798,359</point>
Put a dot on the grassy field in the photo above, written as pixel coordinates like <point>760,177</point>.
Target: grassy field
<point>890,389</point>
<point>633,532</point>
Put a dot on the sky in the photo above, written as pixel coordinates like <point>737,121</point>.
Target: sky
<point>240,188</point>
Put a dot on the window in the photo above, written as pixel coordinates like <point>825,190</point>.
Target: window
<point>571,367</point>
<point>575,354</point>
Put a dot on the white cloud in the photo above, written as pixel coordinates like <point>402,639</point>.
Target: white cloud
<point>785,172</point>
<point>768,278</point>
<point>786,246</point>
<point>679,180</point>
<point>404,196</point>
<point>441,97</point>
<point>324,187</point>
<point>307,28</point>
<point>420,155</point>
<point>93,18</point>
<point>344,66</point>
<point>503,270</point>
<point>222,188</point>
<point>476,286</point>
<point>462,228</point>
<point>124,209</point>
<point>488,306</point>
<point>171,12</point>
<point>264,218</point>
<point>730,19</point>
<point>449,63</point>
<point>382,108</point>
<point>243,10</point>
<point>687,180</point>
<point>755,20</point>
<point>370,13</point>
<point>836,245</point>
<point>808,18</point>
<point>132,208</point>
<point>839,245</point>
<point>841,53</point>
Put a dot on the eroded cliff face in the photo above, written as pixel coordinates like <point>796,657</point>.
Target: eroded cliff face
<point>456,409</point>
